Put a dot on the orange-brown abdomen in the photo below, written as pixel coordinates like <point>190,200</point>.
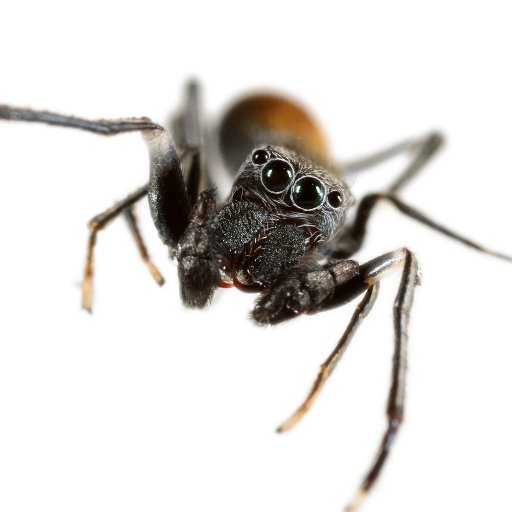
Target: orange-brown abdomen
<point>263,119</point>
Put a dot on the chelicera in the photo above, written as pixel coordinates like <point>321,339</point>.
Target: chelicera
<point>283,230</point>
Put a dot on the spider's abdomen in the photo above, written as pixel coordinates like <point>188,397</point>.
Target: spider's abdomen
<point>263,119</point>
<point>253,249</point>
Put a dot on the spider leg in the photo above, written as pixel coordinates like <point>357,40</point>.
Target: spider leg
<point>375,270</point>
<point>198,268</point>
<point>169,200</point>
<point>351,241</point>
<point>100,126</point>
<point>362,310</point>
<point>422,149</point>
<point>99,222</point>
<point>335,286</point>
<point>188,132</point>
<point>131,219</point>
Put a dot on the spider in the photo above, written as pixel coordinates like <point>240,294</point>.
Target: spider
<point>281,232</point>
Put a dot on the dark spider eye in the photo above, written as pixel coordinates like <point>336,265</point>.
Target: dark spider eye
<point>308,193</point>
<point>277,175</point>
<point>335,199</point>
<point>260,156</point>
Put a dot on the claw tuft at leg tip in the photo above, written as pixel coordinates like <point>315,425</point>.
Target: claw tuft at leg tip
<point>356,501</point>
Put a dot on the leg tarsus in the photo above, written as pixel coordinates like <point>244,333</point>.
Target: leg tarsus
<point>87,287</point>
<point>380,458</point>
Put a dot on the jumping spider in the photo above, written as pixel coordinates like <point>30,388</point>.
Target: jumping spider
<point>280,233</point>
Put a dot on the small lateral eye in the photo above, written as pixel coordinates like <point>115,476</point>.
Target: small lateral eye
<point>277,175</point>
<point>308,193</point>
<point>260,156</point>
<point>335,199</point>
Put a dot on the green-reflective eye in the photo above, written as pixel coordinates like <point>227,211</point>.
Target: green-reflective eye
<point>277,175</point>
<point>308,193</point>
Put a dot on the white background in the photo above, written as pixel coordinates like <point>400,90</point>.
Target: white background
<point>145,406</point>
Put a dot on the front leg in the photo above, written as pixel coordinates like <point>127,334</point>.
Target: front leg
<point>198,270</point>
<point>169,203</point>
<point>292,297</point>
<point>302,291</point>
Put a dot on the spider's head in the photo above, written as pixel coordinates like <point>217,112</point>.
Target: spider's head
<point>293,190</point>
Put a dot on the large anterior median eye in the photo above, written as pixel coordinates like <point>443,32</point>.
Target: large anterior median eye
<point>277,175</point>
<point>308,193</point>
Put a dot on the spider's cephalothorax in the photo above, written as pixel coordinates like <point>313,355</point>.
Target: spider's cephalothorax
<point>281,208</point>
<point>280,232</point>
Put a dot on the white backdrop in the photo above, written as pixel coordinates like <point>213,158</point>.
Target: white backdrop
<point>147,406</point>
